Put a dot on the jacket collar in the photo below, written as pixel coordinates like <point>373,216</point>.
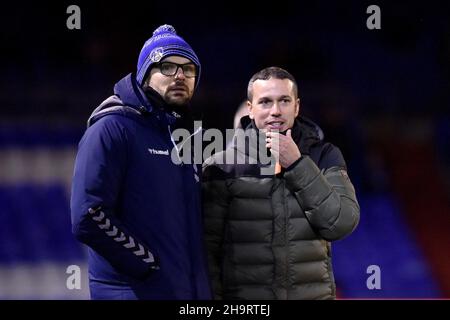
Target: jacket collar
<point>131,94</point>
<point>148,101</point>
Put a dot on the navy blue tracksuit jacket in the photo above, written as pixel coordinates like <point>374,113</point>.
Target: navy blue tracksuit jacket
<point>137,211</point>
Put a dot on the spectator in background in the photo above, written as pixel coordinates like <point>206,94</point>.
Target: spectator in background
<point>138,212</point>
<point>268,236</point>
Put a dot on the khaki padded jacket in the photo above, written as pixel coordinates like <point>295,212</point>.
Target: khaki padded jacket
<point>268,236</point>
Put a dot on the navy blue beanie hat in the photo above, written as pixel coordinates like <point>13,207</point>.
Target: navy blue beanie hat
<point>164,42</point>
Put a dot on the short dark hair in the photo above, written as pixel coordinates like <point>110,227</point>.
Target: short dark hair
<point>268,73</point>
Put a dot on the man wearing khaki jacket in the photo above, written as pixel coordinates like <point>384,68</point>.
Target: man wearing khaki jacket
<point>268,235</point>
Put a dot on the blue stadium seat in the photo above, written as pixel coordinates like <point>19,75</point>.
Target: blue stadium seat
<point>383,239</point>
<point>35,225</point>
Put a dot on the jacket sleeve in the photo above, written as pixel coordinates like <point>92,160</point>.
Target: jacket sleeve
<point>327,196</point>
<point>97,183</point>
<point>215,208</point>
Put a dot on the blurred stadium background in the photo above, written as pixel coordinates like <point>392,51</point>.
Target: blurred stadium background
<point>381,96</point>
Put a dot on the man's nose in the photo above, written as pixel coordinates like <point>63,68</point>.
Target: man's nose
<point>275,110</point>
<point>180,74</point>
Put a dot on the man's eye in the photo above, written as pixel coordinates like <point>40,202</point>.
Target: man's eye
<point>168,67</point>
<point>190,69</point>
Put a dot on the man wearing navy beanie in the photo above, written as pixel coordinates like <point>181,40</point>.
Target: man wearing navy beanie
<point>136,210</point>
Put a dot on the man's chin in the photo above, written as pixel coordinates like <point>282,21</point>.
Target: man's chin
<point>178,102</point>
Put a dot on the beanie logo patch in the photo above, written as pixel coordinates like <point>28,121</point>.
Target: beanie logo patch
<point>156,54</point>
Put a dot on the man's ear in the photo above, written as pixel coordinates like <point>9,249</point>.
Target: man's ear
<point>250,109</point>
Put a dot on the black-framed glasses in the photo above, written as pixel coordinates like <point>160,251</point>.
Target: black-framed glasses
<point>171,69</point>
